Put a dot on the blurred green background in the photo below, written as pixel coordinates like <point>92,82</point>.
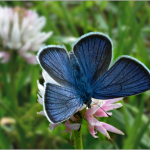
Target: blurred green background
<point>128,25</point>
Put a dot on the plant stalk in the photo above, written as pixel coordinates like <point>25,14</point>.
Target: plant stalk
<point>78,140</point>
<point>12,69</point>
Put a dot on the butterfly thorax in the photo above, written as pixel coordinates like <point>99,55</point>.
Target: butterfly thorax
<point>84,91</point>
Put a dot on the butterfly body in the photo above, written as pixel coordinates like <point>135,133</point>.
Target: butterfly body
<point>81,82</point>
<point>84,74</point>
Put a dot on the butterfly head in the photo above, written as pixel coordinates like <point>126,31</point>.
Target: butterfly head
<point>87,101</point>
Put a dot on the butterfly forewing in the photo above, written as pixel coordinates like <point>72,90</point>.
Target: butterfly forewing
<point>94,53</point>
<point>55,61</point>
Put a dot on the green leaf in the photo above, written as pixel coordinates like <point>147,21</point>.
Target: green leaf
<point>21,128</point>
<point>84,16</point>
<point>140,134</point>
<point>138,6</point>
<point>136,32</point>
<point>3,140</point>
<point>23,77</point>
<point>4,77</point>
<point>34,78</point>
<point>134,129</point>
<point>135,110</point>
<point>127,117</point>
<point>67,17</point>
<point>144,53</point>
<point>110,23</point>
<point>50,24</point>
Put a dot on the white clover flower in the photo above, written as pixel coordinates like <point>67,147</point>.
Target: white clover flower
<point>20,30</point>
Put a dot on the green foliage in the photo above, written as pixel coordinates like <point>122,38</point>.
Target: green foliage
<point>127,23</point>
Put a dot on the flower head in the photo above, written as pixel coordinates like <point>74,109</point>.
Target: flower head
<point>99,109</point>
<point>21,31</point>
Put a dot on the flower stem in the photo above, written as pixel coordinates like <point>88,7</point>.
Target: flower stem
<point>12,69</point>
<point>78,140</point>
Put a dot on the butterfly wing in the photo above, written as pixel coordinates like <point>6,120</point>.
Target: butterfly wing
<point>93,52</point>
<point>126,77</point>
<point>60,103</point>
<point>55,61</point>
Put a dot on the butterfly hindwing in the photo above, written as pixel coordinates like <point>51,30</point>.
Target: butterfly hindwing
<point>55,61</point>
<point>60,103</point>
<point>94,53</point>
<point>125,78</point>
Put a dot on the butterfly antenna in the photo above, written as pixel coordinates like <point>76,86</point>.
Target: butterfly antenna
<point>103,110</point>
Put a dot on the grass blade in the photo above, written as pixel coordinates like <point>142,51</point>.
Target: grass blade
<point>140,134</point>
<point>126,117</point>
<point>50,25</point>
<point>134,129</point>
<point>66,13</point>
<point>84,16</point>
<point>23,78</point>
<point>4,77</point>
<point>34,78</point>
<point>3,140</point>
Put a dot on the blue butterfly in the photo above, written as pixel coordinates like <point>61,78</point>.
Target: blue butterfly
<point>84,73</point>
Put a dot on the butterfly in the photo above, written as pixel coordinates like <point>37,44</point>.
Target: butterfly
<point>84,73</point>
